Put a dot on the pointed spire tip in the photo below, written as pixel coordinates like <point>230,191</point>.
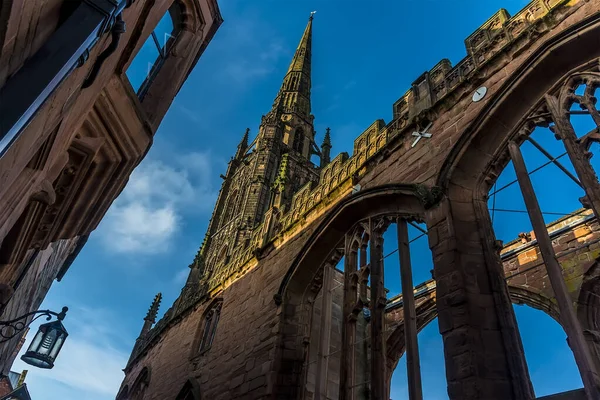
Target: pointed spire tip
<point>312,15</point>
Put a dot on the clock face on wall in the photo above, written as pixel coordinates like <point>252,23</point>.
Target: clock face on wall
<point>479,94</point>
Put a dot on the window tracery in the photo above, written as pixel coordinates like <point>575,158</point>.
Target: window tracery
<point>208,328</point>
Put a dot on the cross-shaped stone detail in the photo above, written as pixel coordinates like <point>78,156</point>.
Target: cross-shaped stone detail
<point>422,134</point>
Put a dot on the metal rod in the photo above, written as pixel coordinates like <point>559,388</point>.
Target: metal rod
<point>532,171</point>
<point>418,227</point>
<point>525,212</point>
<point>413,364</point>
<point>567,314</point>
<point>554,161</point>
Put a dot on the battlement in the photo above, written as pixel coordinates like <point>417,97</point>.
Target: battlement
<point>496,34</point>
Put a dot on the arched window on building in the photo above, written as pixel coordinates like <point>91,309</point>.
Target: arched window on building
<point>138,389</point>
<point>153,53</point>
<point>298,140</point>
<point>123,393</point>
<point>230,206</point>
<point>190,391</point>
<point>208,327</point>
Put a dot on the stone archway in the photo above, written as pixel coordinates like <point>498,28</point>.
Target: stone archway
<point>470,170</point>
<point>304,277</point>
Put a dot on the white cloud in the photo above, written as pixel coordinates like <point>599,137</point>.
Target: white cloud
<point>88,365</point>
<point>149,212</point>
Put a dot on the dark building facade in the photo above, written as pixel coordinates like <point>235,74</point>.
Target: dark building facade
<point>73,126</point>
<point>266,315</point>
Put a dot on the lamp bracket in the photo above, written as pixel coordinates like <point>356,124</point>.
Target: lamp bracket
<point>10,329</point>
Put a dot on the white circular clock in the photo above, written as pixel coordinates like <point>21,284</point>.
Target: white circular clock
<point>479,94</point>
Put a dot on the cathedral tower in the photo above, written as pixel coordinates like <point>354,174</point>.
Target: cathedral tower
<point>264,175</point>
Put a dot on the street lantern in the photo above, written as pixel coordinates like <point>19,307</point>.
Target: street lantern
<point>48,341</point>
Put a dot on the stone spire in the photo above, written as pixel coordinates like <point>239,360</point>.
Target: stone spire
<point>294,95</point>
<point>243,146</point>
<point>326,148</point>
<point>152,313</point>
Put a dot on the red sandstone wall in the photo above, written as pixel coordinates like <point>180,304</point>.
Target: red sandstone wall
<point>241,364</point>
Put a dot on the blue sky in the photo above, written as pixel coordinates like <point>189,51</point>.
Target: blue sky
<point>365,56</point>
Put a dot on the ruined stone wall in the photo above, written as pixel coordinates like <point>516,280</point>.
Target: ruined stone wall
<point>74,156</point>
<point>252,354</point>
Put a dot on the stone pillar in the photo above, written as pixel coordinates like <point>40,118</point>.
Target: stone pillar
<point>481,348</point>
<point>350,312</point>
<point>326,318</point>
<point>378,302</point>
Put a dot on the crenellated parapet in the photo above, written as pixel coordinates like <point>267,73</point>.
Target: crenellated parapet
<point>498,33</point>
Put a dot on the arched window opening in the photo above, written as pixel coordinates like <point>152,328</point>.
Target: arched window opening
<point>345,321</point>
<point>547,352</point>
<point>190,391</point>
<point>554,180</point>
<point>155,51</point>
<point>298,140</point>
<point>543,206</point>
<point>140,385</point>
<point>223,257</point>
<point>230,207</point>
<point>208,328</point>
<point>325,333</point>
<point>431,356</point>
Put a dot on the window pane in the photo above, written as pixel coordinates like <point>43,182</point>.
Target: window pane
<point>142,64</point>
<point>164,29</point>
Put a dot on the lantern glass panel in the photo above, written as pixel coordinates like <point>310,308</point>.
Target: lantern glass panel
<point>35,343</point>
<point>58,345</point>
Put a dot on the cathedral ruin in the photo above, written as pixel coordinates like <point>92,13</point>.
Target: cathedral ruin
<point>265,313</point>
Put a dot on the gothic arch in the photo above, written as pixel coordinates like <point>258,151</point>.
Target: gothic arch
<point>427,313</point>
<point>470,160</point>
<point>205,333</point>
<point>140,385</point>
<point>380,200</point>
<point>302,280</point>
<point>481,153</point>
<point>190,391</point>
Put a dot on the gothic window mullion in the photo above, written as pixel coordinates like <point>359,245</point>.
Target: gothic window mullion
<point>351,310</point>
<point>378,303</point>
<point>577,152</point>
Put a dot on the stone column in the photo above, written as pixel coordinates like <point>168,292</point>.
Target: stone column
<point>349,318</point>
<point>481,348</point>
<point>326,318</point>
<point>378,302</point>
